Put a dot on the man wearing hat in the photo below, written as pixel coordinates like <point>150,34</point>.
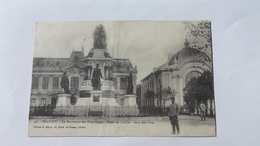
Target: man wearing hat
<point>173,115</point>
<point>202,111</point>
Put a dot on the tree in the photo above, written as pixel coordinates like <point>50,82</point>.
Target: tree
<point>199,35</point>
<point>158,99</point>
<point>166,94</point>
<point>200,89</point>
<point>149,97</point>
<point>99,37</point>
<point>190,91</point>
<point>207,87</point>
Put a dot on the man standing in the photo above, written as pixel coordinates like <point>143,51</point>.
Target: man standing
<point>173,115</point>
<point>202,111</point>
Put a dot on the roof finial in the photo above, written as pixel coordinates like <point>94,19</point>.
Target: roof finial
<point>82,46</point>
<point>186,43</point>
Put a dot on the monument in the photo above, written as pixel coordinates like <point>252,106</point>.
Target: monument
<point>130,84</point>
<point>102,85</point>
<point>130,97</point>
<point>65,83</point>
<point>64,99</point>
<point>96,93</point>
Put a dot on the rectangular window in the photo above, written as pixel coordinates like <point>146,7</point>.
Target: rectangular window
<point>43,101</point>
<point>35,82</point>
<point>45,83</point>
<point>123,83</point>
<point>55,83</point>
<point>74,82</point>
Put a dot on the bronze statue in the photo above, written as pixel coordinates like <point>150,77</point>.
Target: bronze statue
<point>95,81</point>
<point>130,84</point>
<point>65,83</point>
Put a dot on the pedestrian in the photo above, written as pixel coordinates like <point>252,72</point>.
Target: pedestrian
<point>202,111</point>
<point>173,116</point>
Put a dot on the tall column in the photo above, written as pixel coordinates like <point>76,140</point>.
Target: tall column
<point>118,84</point>
<point>181,90</point>
<point>105,73</point>
<point>50,83</point>
<point>170,80</point>
<point>86,73</point>
<point>110,73</point>
<point>174,83</point>
<point>40,83</point>
<point>89,72</point>
<point>134,84</point>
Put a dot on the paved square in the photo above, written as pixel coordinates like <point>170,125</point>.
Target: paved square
<point>120,126</point>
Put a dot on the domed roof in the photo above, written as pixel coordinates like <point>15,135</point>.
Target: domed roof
<point>187,54</point>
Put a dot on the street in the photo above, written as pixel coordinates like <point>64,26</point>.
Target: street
<point>119,126</point>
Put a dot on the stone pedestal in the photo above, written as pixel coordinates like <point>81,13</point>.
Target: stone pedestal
<point>130,107</point>
<point>109,102</point>
<point>130,100</point>
<point>83,101</point>
<point>63,100</point>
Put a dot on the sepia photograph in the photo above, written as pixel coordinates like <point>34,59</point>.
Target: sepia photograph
<point>122,78</point>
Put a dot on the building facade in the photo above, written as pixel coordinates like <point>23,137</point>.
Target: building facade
<point>180,68</point>
<point>47,74</point>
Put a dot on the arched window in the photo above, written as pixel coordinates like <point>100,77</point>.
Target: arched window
<point>190,75</point>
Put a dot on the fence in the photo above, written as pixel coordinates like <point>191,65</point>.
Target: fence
<point>116,111</point>
<point>184,110</point>
<point>41,110</point>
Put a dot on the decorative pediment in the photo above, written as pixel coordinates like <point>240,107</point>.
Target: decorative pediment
<point>74,70</point>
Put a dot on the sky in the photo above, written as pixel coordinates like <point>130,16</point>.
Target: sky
<point>146,43</point>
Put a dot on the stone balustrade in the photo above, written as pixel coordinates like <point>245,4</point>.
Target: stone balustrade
<point>105,85</point>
